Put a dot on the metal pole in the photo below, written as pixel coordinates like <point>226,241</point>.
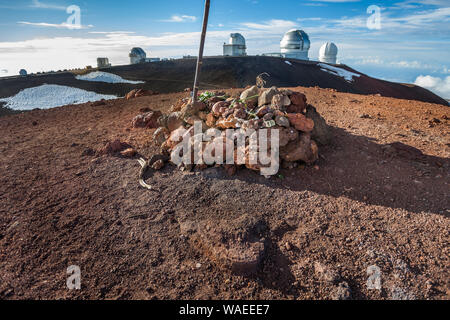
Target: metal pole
<point>200,54</point>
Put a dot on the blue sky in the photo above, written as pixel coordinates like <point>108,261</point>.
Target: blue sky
<point>412,45</point>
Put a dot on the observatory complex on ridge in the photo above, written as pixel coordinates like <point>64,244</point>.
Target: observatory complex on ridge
<point>295,44</point>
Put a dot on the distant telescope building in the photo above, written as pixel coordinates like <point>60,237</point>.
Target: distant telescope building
<point>236,46</point>
<point>295,45</point>
<point>137,55</point>
<point>103,63</point>
<point>23,72</point>
<point>328,53</point>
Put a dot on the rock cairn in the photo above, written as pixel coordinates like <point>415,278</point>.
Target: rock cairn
<point>301,129</point>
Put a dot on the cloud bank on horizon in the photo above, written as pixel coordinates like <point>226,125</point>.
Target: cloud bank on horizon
<point>412,44</point>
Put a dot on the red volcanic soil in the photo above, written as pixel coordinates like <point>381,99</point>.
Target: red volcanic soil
<point>379,197</point>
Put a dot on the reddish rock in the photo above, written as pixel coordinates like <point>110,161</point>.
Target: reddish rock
<point>161,134</point>
<point>240,113</point>
<point>210,120</point>
<point>115,146</point>
<point>131,94</point>
<point>228,123</point>
<point>303,149</point>
<point>219,108</point>
<point>191,109</point>
<point>143,92</point>
<point>261,112</point>
<point>300,122</point>
<point>174,121</point>
<point>129,153</point>
<point>147,120</point>
<point>298,99</point>
<point>279,101</point>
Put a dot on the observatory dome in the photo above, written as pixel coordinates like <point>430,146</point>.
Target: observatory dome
<point>237,39</point>
<point>236,46</point>
<point>137,55</point>
<point>328,53</point>
<point>295,44</point>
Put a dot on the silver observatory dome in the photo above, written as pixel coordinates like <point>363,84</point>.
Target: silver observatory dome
<point>295,44</point>
<point>137,55</point>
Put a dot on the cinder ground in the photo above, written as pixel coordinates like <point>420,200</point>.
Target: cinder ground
<point>368,204</point>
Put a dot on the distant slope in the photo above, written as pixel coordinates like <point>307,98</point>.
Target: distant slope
<point>227,72</point>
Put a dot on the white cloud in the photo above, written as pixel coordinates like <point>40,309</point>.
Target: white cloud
<point>439,86</point>
<point>182,18</point>
<point>42,5</point>
<point>274,25</point>
<point>63,25</point>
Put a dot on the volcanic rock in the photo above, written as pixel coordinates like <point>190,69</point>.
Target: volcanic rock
<point>267,95</point>
<point>282,121</point>
<point>321,131</point>
<point>300,122</point>
<point>303,149</point>
<point>147,120</point>
<point>252,93</point>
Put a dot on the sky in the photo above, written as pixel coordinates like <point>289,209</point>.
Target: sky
<point>402,40</point>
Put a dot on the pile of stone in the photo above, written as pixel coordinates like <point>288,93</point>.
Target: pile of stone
<point>301,129</point>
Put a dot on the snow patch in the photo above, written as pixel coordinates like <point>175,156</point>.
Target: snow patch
<point>50,96</point>
<point>287,62</point>
<point>99,76</point>
<point>347,75</point>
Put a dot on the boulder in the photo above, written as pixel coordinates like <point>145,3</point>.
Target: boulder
<point>113,147</point>
<point>261,112</point>
<point>191,109</point>
<point>321,131</point>
<point>219,108</point>
<point>174,121</point>
<point>210,120</point>
<point>303,149</point>
<point>300,122</point>
<point>298,99</point>
<point>253,94</point>
<point>266,96</point>
<point>143,92</point>
<point>282,121</point>
<point>147,120</point>
<point>280,101</point>
<point>131,94</point>
<point>161,134</point>
<point>129,153</point>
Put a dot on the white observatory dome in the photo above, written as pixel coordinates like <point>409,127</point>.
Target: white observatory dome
<point>328,53</point>
<point>236,46</point>
<point>137,55</point>
<point>237,39</point>
<point>295,44</point>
